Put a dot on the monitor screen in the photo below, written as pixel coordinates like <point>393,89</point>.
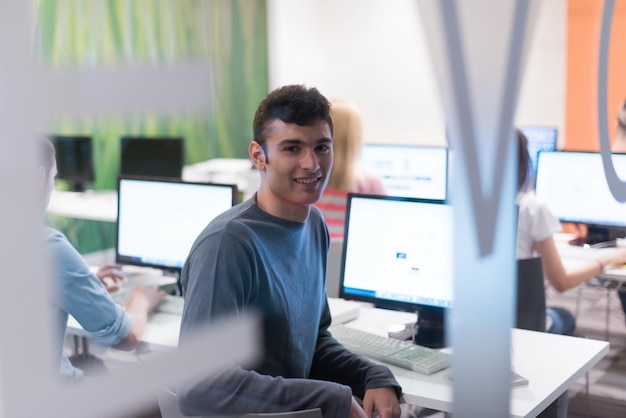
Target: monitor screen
<point>409,170</point>
<point>540,138</point>
<point>152,157</point>
<point>403,259</point>
<point>574,187</point>
<point>74,157</point>
<point>159,219</point>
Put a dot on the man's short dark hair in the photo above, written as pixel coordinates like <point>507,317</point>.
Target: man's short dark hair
<point>291,104</point>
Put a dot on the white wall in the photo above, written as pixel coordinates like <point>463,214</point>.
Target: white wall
<point>374,53</point>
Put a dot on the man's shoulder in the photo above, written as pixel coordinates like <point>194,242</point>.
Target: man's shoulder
<point>53,234</point>
<point>56,240</point>
<point>529,202</point>
<point>231,222</point>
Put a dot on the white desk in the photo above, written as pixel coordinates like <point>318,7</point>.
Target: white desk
<point>239,171</point>
<point>574,256</point>
<point>551,363</point>
<point>94,205</point>
<point>162,329</point>
<point>101,205</point>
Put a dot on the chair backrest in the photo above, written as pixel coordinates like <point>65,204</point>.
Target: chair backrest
<point>333,203</point>
<point>531,295</point>
<point>333,267</point>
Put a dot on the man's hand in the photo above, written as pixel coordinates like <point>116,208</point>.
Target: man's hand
<point>355,410</point>
<point>383,401</point>
<point>144,298</point>
<point>111,275</point>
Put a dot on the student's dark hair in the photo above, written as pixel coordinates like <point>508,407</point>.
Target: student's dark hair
<point>47,153</point>
<point>291,104</point>
<point>523,159</point>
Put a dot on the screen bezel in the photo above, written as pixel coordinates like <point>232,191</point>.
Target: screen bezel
<point>121,259</point>
<point>418,146</point>
<point>178,142</point>
<point>554,129</point>
<point>591,222</point>
<point>396,305</point>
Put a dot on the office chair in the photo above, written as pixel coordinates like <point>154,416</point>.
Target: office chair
<point>333,267</point>
<point>531,295</point>
<point>168,404</point>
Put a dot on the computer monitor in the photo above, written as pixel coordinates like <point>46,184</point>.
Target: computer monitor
<point>159,219</point>
<point>409,170</point>
<point>397,254</point>
<point>74,157</point>
<point>540,138</point>
<point>152,157</point>
<point>574,187</point>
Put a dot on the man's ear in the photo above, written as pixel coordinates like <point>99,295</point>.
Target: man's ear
<point>43,177</point>
<point>257,155</point>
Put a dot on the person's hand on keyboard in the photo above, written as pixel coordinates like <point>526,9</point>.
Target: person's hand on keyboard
<point>110,275</point>
<point>144,297</point>
<point>613,259</point>
<point>139,304</point>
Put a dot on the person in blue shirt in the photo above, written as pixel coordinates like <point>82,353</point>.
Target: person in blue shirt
<point>82,294</point>
<point>269,254</point>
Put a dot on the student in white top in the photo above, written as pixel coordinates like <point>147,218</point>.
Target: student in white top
<point>535,230</point>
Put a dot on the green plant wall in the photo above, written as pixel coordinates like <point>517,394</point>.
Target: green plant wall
<point>228,35</point>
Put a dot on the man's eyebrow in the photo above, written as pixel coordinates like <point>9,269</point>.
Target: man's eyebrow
<point>323,140</point>
<point>291,142</point>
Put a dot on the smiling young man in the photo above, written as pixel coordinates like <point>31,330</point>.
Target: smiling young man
<point>269,254</point>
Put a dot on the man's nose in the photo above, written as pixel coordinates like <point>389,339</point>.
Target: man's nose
<point>309,160</point>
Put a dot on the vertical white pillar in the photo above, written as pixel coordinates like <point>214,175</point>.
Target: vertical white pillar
<point>478,53</point>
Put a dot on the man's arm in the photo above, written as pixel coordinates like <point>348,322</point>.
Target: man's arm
<point>84,297</point>
<point>240,391</point>
<point>371,382</point>
<point>139,304</point>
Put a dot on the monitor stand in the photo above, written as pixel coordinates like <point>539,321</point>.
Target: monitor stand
<point>78,186</point>
<point>428,330</point>
<point>599,237</point>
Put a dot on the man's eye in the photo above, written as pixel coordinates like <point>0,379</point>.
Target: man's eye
<point>323,148</point>
<point>292,148</point>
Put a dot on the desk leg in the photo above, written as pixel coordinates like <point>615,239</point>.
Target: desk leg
<point>84,360</point>
<point>578,297</point>
<point>608,312</point>
<point>557,409</point>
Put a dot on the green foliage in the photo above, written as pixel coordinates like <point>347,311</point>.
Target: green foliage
<point>230,36</point>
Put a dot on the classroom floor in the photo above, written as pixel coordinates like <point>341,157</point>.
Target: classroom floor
<point>602,393</point>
